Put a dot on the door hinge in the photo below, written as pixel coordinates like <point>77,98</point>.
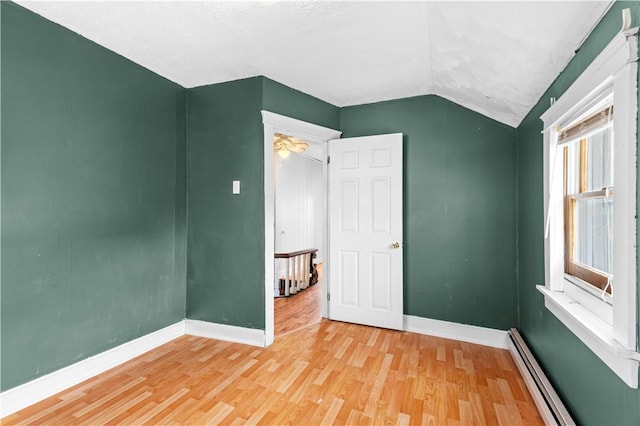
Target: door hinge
<point>329,297</point>
<point>328,160</point>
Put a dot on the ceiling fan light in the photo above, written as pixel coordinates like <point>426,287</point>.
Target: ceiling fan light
<point>284,153</point>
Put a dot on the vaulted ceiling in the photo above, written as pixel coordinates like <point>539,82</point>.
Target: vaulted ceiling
<point>496,58</point>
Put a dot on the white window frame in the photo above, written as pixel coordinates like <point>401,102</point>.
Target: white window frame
<point>607,327</point>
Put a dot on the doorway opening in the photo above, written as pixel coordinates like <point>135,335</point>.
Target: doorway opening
<point>299,220</point>
<point>316,137</point>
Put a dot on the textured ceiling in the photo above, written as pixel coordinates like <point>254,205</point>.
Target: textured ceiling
<point>496,58</point>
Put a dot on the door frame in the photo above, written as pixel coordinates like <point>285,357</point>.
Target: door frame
<point>313,133</point>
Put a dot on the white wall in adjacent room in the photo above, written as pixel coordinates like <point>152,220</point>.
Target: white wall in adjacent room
<point>299,204</point>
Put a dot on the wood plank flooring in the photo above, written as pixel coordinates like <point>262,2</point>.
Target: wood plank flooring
<point>300,310</point>
<point>329,373</point>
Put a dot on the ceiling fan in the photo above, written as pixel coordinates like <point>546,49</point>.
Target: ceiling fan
<point>285,145</point>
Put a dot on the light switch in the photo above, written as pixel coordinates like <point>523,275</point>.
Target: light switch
<point>236,186</point>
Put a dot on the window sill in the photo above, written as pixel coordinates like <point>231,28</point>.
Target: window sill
<point>595,333</point>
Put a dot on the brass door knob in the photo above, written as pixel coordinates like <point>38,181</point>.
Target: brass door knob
<point>395,245</point>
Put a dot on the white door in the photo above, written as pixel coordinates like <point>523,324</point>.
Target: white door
<point>365,230</point>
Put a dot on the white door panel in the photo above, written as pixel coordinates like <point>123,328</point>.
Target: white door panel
<point>365,220</point>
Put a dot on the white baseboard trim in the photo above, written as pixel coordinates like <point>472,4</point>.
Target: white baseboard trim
<point>230,333</point>
<point>43,387</point>
<point>451,330</point>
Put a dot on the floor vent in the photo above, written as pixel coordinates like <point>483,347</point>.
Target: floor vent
<point>549,404</point>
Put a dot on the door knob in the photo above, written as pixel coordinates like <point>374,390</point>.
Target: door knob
<point>395,245</point>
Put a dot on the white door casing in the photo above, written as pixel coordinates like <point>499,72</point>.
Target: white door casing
<point>365,230</point>
<point>276,123</point>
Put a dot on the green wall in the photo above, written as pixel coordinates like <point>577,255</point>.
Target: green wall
<point>90,254</point>
<point>459,207</point>
<point>284,100</point>
<point>453,234</point>
<point>225,278</point>
<point>592,392</point>
<point>180,201</point>
<point>225,274</point>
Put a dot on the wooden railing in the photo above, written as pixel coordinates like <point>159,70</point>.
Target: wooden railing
<point>294,272</point>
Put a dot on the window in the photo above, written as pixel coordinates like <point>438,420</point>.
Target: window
<point>588,201</point>
<point>590,207</point>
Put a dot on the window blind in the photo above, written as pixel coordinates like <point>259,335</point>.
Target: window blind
<point>586,127</point>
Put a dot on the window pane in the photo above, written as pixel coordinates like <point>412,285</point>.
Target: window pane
<point>600,160</point>
<point>593,233</point>
<point>573,168</point>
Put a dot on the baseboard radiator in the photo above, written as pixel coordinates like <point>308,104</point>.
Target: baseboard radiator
<point>547,400</point>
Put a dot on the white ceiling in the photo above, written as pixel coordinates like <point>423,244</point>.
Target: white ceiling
<point>496,58</point>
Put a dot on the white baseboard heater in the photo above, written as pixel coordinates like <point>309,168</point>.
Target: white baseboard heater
<point>549,404</point>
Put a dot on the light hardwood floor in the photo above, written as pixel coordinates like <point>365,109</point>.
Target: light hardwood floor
<point>300,310</point>
<point>329,373</point>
